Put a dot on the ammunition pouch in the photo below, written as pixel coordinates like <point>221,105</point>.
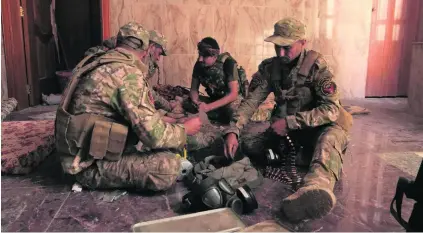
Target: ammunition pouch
<point>88,136</point>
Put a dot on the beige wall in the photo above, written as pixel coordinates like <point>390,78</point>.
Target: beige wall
<point>240,27</point>
<point>3,71</point>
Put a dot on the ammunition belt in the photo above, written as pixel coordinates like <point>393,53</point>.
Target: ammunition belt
<point>286,172</point>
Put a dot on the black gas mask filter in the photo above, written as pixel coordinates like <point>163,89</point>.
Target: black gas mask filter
<point>211,193</point>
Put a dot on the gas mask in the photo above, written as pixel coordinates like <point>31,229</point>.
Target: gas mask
<point>211,193</point>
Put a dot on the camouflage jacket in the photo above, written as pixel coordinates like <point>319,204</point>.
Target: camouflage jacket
<point>111,44</point>
<point>309,100</point>
<point>120,91</point>
<point>215,79</point>
<point>160,102</point>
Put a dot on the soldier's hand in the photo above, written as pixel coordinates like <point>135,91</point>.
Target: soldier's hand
<point>279,127</point>
<point>231,145</point>
<point>173,104</point>
<point>169,119</point>
<point>182,120</point>
<point>192,125</point>
<point>203,107</point>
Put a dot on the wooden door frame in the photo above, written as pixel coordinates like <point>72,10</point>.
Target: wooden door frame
<point>105,18</point>
<point>14,52</point>
<point>30,54</point>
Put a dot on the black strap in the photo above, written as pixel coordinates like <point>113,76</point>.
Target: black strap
<point>399,194</point>
<point>308,62</point>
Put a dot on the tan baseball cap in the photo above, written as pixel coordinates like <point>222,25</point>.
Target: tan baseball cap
<point>133,29</point>
<point>287,32</point>
<point>159,39</point>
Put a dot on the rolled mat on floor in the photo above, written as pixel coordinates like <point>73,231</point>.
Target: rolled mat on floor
<point>7,106</point>
<point>25,144</point>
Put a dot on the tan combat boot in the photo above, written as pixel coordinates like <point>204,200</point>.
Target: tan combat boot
<point>314,199</point>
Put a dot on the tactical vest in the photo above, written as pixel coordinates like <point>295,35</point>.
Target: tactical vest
<point>214,80</point>
<point>87,137</point>
<point>292,96</point>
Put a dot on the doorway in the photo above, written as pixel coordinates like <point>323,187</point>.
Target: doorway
<point>393,29</point>
<point>42,37</point>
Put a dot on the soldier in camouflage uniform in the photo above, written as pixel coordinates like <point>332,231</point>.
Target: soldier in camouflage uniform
<point>307,108</point>
<point>225,84</point>
<point>159,48</point>
<point>106,109</point>
<point>158,44</point>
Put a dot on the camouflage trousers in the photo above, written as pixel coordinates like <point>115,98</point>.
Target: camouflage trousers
<point>153,170</point>
<point>144,170</point>
<point>323,147</point>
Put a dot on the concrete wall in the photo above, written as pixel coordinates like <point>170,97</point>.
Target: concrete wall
<point>339,29</point>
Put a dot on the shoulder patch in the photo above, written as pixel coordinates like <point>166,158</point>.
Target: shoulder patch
<point>327,87</point>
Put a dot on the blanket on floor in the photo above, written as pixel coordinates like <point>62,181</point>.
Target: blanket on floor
<point>25,144</point>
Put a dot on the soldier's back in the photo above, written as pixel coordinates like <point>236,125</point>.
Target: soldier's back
<point>96,89</point>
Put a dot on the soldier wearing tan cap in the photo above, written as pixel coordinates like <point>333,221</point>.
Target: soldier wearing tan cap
<point>107,109</point>
<point>307,109</point>
<point>158,45</point>
<point>158,48</point>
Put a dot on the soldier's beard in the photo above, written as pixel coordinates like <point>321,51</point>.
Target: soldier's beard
<point>203,65</point>
<point>284,60</point>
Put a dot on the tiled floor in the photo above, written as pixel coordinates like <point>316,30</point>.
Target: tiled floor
<point>43,201</point>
